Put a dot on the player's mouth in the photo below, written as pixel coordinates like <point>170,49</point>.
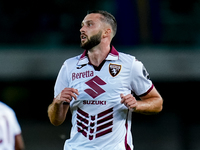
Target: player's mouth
<point>83,37</point>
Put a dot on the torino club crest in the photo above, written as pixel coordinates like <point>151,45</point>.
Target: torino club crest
<point>114,69</point>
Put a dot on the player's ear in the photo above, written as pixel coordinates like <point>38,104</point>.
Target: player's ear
<point>107,32</point>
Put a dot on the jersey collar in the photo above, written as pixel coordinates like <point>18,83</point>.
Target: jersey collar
<point>113,55</point>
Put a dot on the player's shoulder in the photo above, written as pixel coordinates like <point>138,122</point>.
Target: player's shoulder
<point>125,57</point>
<point>5,108</point>
<point>72,60</point>
<point>130,60</point>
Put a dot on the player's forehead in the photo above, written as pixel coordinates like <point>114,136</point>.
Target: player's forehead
<point>93,17</point>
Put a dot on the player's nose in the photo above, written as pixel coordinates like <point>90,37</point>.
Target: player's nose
<point>82,29</point>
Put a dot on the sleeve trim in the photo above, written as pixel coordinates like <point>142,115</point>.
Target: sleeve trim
<point>147,91</point>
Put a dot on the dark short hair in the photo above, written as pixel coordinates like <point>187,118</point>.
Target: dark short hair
<point>107,17</point>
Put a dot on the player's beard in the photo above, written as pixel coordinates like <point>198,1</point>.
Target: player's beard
<point>92,42</point>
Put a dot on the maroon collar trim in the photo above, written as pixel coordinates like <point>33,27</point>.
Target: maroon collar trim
<point>113,55</point>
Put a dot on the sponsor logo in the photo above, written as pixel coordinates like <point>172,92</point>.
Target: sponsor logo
<point>85,74</point>
<point>91,102</point>
<point>95,90</point>
<point>95,126</point>
<point>114,69</point>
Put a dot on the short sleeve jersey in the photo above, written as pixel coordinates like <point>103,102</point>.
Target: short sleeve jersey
<point>99,120</point>
<point>9,127</point>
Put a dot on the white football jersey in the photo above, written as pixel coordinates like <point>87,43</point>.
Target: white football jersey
<point>99,120</point>
<point>9,127</point>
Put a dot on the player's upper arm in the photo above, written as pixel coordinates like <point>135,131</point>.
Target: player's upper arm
<point>19,143</point>
<point>139,77</point>
<point>62,80</point>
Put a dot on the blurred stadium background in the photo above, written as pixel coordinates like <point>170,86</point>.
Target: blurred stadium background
<point>37,36</point>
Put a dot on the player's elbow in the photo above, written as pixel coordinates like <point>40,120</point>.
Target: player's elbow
<point>56,117</point>
<point>55,122</point>
<point>159,105</point>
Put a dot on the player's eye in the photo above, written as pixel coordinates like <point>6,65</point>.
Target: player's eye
<point>89,24</point>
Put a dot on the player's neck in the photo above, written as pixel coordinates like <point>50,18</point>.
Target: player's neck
<point>98,54</point>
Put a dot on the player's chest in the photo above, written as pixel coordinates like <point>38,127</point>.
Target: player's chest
<point>109,79</point>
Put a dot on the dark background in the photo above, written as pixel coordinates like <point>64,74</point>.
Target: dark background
<point>37,36</point>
